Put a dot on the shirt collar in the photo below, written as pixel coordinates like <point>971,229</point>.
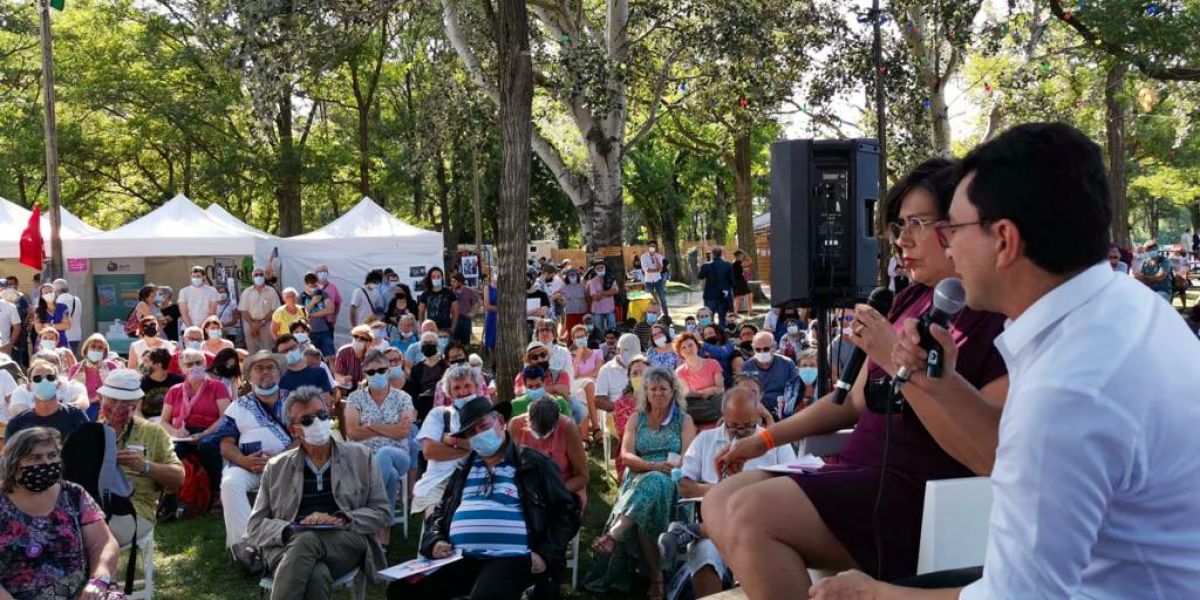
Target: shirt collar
<point>1052,307</point>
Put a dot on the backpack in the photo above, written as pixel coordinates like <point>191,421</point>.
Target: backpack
<point>132,323</point>
<point>195,497</point>
<point>89,458</point>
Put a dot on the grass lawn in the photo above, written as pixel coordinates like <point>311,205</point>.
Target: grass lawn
<point>191,562</point>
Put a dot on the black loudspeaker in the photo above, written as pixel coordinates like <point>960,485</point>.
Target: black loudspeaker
<point>824,194</point>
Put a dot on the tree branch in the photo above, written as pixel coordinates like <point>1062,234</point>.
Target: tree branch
<point>1148,67</point>
<point>660,88</point>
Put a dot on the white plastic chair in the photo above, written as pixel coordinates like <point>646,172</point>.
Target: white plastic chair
<point>402,497</point>
<point>954,527</point>
<point>143,589</point>
<point>353,581</point>
<point>573,562</point>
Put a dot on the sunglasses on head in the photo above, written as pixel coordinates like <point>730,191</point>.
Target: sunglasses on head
<point>370,372</point>
<point>307,420</point>
<point>39,378</point>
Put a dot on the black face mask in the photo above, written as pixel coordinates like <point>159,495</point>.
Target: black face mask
<point>39,478</point>
<point>150,330</point>
<point>748,346</point>
<point>545,365</point>
<point>461,361</point>
<point>429,349</point>
<point>711,340</point>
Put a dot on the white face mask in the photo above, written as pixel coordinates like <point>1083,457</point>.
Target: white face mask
<point>95,355</point>
<point>49,298</point>
<point>214,334</point>
<point>197,281</point>
<point>763,357</point>
<point>660,341</point>
<point>322,275</point>
<point>580,342</point>
<point>48,345</point>
<point>318,433</point>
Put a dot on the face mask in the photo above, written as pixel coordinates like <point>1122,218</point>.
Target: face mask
<point>429,350</point>
<point>150,330</point>
<point>267,391</point>
<point>636,384</point>
<point>159,299</point>
<point>653,249</point>
<point>436,283</point>
<point>357,345</point>
<point>763,357</point>
<point>544,365</point>
<point>379,334</point>
<point>47,345</point>
<point>590,327</point>
<point>214,334</point>
<point>323,276</point>
<point>442,343</point>
<point>223,296</point>
<point>660,341</point>
<point>301,338</point>
<point>377,382</point>
<point>747,346</point>
<point>192,344</point>
<point>690,327</point>
<point>651,318</point>
<point>486,443</point>
<point>540,436</point>
<point>396,372</point>
<point>318,433</point>
<point>293,356</point>
<point>197,281</point>
<point>49,298</point>
<point>197,373</point>
<point>793,329</point>
<point>705,321</point>
<point>95,356</point>
<point>39,478</point>
<point>808,375</point>
<point>45,390</point>
<point>371,286</point>
<point>572,280</point>
<point>461,402</point>
<point>535,394</point>
<point>259,280</point>
<point>710,340</point>
<point>580,342</point>
<point>600,272</point>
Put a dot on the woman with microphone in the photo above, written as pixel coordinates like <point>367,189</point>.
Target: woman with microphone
<point>772,529</point>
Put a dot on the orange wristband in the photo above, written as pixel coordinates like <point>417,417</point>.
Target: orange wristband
<point>767,439</point>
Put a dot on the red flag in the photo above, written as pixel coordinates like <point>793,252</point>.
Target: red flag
<point>32,248</point>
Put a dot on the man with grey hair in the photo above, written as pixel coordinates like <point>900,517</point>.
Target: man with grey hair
<point>319,506</point>
<point>739,419</point>
<point>74,311</point>
<point>441,449</point>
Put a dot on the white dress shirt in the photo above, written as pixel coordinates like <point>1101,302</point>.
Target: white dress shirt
<point>1097,476</point>
<point>700,461</point>
<point>651,272</point>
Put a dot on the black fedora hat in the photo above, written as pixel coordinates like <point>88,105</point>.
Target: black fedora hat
<point>472,411</point>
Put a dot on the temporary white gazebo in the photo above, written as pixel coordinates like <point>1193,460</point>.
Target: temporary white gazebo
<point>14,218</point>
<point>365,237</point>
<point>217,212</point>
<point>177,228</point>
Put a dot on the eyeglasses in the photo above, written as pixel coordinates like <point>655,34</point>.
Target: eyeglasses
<point>370,372</point>
<point>192,364</point>
<point>307,420</point>
<point>945,231</point>
<point>367,339</point>
<point>538,356</point>
<point>39,378</point>
<point>766,349</point>
<point>741,429</point>
<point>916,227</point>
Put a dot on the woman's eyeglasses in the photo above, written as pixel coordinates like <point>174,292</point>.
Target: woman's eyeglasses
<point>39,378</point>
<point>370,372</point>
<point>307,420</point>
<point>916,228</point>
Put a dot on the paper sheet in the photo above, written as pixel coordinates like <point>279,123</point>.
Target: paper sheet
<point>418,566</point>
<point>807,462</point>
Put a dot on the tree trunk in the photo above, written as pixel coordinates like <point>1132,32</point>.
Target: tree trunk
<point>516,129</point>
<point>449,223</point>
<point>608,210</point>
<point>715,228</point>
<point>287,176</point>
<point>1194,212</point>
<point>743,199</point>
<point>1114,125</point>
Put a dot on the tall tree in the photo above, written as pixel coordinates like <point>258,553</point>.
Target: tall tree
<point>515,95</point>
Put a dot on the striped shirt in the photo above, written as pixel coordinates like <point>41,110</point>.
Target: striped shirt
<point>489,522</point>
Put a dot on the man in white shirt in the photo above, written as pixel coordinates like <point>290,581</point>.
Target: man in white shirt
<point>1096,476</point>
<point>614,374</point>
<point>652,274</point>
<point>197,301</point>
<point>442,450</point>
<point>74,311</point>
<point>10,325</point>
<point>739,419</point>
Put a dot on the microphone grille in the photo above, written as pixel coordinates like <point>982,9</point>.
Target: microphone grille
<point>949,296</point>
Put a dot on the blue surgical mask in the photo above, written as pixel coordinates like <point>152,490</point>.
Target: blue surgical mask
<point>158,299</point>
<point>294,356</point>
<point>808,375</point>
<point>266,391</point>
<point>260,280</point>
<point>377,382</point>
<point>45,389</point>
<point>487,443</point>
<point>442,343</point>
<point>301,338</point>
<point>705,321</point>
<point>651,318</point>
<point>461,402</point>
<point>535,394</point>
<point>396,372</point>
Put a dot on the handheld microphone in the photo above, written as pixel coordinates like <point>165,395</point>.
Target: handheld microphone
<point>880,300</point>
<point>949,299</point>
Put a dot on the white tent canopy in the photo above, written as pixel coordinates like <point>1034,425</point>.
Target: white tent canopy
<point>365,237</point>
<point>219,213</point>
<point>14,218</point>
<point>177,228</point>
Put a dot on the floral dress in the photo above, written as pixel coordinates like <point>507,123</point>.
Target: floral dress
<point>667,360</point>
<point>44,558</point>
<point>647,499</point>
<point>394,406</point>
